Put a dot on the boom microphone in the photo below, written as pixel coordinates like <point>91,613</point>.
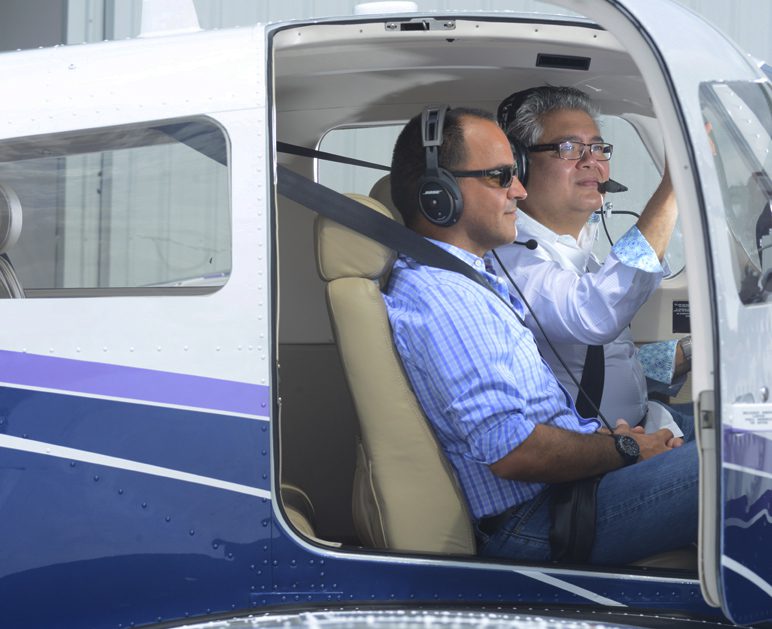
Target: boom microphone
<point>611,186</point>
<point>528,244</point>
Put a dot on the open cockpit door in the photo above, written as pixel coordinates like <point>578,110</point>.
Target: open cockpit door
<point>714,108</point>
<point>739,114</point>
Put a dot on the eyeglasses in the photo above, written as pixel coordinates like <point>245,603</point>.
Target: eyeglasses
<point>576,150</point>
<point>501,175</point>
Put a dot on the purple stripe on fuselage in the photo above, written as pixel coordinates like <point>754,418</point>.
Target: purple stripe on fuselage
<point>143,385</point>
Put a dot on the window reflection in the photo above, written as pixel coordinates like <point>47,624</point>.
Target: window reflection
<point>141,207</point>
<point>739,116</point>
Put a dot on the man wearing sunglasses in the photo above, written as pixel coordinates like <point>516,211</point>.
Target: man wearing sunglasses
<point>585,308</point>
<point>505,423</point>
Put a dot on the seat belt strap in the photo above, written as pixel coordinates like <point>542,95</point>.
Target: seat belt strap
<point>370,223</point>
<point>293,149</point>
<point>593,379</point>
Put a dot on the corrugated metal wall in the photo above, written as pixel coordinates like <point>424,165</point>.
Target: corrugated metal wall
<point>748,22</point>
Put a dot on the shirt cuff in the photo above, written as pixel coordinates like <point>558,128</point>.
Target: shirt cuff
<point>658,416</point>
<point>658,360</point>
<point>660,388</point>
<point>634,250</point>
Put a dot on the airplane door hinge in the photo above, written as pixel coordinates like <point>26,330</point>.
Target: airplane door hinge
<point>706,410</point>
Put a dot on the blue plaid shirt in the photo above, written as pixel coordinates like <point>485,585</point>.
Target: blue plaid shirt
<point>477,373</point>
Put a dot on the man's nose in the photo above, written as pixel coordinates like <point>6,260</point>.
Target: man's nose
<point>516,190</point>
<point>589,158</point>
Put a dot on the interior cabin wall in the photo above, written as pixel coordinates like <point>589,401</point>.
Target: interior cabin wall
<point>318,422</point>
<point>318,434</point>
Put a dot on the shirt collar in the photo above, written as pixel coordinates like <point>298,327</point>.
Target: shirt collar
<point>577,252</point>
<point>486,267</point>
<point>472,260</point>
<point>527,226</point>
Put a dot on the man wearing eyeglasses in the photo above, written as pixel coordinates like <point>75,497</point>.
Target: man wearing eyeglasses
<point>585,308</point>
<point>507,426</point>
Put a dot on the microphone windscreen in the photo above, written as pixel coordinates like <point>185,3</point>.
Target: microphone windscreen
<point>611,186</point>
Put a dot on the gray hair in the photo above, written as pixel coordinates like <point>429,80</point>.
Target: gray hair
<point>527,125</point>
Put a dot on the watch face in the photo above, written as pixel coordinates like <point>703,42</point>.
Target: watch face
<point>628,448</point>
<point>629,444</point>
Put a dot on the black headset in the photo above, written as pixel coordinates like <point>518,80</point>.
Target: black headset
<point>506,116</point>
<point>439,197</point>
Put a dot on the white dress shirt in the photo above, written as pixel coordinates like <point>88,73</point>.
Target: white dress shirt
<point>580,302</point>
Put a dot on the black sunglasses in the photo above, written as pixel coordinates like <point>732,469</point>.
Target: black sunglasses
<point>501,175</point>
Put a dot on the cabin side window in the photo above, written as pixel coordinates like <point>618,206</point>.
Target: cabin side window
<point>370,144</point>
<point>126,210</point>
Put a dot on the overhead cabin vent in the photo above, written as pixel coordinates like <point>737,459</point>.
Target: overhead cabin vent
<point>422,25</point>
<point>563,62</point>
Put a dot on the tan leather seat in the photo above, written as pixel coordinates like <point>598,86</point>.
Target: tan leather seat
<point>299,508</point>
<point>300,511</point>
<point>381,191</point>
<point>10,230</point>
<point>406,496</point>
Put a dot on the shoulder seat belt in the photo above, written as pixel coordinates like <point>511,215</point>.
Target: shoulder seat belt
<point>593,378</point>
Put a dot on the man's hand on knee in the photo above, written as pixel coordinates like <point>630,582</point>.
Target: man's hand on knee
<point>650,444</point>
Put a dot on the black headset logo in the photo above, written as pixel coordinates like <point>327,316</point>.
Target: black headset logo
<point>439,197</point>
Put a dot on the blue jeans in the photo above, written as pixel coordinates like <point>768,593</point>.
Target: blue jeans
<point>644,509</point>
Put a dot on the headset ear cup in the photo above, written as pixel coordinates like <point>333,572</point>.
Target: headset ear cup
<point>521,159</point>
<point>439,199</point>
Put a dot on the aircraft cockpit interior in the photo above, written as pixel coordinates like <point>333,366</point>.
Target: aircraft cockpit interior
<point>366,79</point>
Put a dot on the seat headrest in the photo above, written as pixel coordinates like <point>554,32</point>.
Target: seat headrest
<point>381,191</point>
<point>10,217</point>
<point>342,252</point>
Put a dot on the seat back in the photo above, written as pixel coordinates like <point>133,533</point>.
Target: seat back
<point>406,496</point>
<point>381,191</point>
<point>10,230</point>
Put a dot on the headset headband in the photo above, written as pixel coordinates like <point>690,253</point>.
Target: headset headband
<point>432,124</point>
<point>509,106</point>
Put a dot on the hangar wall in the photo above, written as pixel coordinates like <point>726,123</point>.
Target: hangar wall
<point>76,21</point>
<point>747,23</point>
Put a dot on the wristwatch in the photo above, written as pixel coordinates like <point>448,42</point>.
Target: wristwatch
<point>686,347</point>
<point>628,449</point>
